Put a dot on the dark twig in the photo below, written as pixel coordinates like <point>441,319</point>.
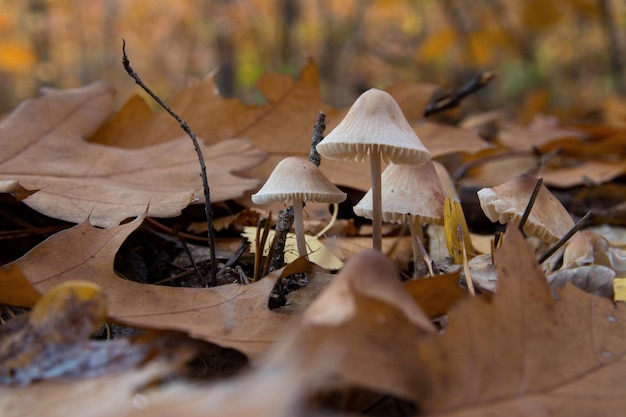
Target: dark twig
<point>188,253</point>
<point>194,139</point>
<point>233,258</point>
<point>285,216</point>
<point>565,238</point>
<point>318,136</point>
<point>451,100</point>
<point>529,207</point>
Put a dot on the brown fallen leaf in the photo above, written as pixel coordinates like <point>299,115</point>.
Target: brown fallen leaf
<point>281,128</point>
<point>233,315</point>
<point>102,396</point>
<point>436,295</point>
<point>44,149</point>
<point>541,131</point>
<point>520,353</point>
<point>20,292</point>
<point>524,352</point>
<point>365,323</point>
<point>583,172</point>
<point>52,341</point>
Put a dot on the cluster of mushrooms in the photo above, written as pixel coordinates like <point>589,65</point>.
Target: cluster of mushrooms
<point>410,189</point>
<point>374,127</point>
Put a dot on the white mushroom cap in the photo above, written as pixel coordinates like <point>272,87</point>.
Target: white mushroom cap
<point>548,219</point>
<point>375,121</point>
<point>297,179</point>
<point>410,190</point>
<point>591,248</point>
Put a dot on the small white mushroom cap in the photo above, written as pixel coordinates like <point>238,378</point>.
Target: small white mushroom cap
<point>297,179</point>
<point>548,219</point>
<point>374,122</point>
<point>415,191</point>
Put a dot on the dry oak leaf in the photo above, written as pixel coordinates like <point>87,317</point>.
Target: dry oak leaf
<point>525,353</point>
<point>102,396</point>
<point>366,323</point>
<point>44,149</point>
<point>282,127</point>
<point>235,316</point>
<point>522,353</point>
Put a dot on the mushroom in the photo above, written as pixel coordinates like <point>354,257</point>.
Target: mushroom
<point>548,220</point>
<point>591,248</point>
<point>408,192</point>
<point>376,127</point>
<point>295,181</point>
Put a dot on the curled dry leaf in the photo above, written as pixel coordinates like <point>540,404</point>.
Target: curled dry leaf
<point>44,149</point>
<point>594,279</point>
<point>233,315</point>
<point>365,323</point>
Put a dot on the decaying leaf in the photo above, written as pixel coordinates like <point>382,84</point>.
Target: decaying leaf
<point>453,218</point>
<point>594,279</point>
<point>52,341</point>
<point>44,149</point>
<point>525,351</point>
<point>233,315</point>
<point>102,396</point>
<point>365,323</point>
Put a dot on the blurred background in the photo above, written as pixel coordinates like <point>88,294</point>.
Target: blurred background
<point>559,56</point>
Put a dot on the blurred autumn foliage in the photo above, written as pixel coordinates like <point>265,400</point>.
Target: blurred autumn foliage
<point>561,55</point>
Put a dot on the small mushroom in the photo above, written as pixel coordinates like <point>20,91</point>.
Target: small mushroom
<point>408,191</point>
<point>591,248</point>
<point>375,127</point>
<point>548,220</point>
<point>296,181</point>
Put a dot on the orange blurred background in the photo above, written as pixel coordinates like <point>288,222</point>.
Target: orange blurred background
<point>560,55</point>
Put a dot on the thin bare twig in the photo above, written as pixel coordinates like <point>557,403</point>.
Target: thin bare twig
<point>188,253</point>
<point>466,270</point>
<point>183,124</point>
<point>529,207</point>
<point>565,238</point>
<point>451,100</point>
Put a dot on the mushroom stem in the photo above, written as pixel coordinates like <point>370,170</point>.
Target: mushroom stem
<point>298,223</point>
<point>377,204</point>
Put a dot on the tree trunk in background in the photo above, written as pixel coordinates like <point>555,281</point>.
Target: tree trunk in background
<point>39,34</point>
<point>615,55</point>
<point>289,13</point>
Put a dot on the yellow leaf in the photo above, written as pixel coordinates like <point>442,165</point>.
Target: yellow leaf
<point>619,287</point>
<point>318,253</point>
<point>68,301</point>
<point>452,218</point>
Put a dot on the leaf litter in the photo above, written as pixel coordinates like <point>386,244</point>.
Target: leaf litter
<point>515,350</point>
